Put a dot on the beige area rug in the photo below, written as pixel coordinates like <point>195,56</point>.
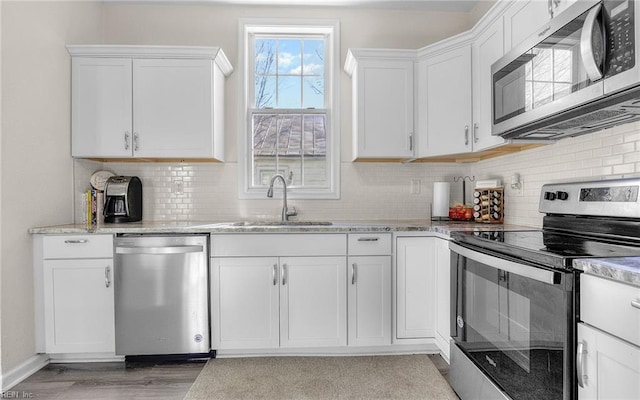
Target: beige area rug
<point>370,377</point>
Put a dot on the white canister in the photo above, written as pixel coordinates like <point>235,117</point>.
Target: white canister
<point>440,199</point>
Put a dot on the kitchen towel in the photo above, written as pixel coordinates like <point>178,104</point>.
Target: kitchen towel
<point>440,199</point>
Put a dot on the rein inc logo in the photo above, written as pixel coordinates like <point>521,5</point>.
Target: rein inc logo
<point>14,394</point>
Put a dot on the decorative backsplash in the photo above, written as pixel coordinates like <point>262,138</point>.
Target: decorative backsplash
<point>209,191</point>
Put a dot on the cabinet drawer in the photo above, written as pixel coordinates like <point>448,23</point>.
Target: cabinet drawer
<point>606,305</point>
<point>278,245</point>
<point>369,244</point>
<point>78,246</point>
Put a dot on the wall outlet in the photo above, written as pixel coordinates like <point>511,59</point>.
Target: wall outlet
<point>415,186</point>
<point>177,187</point>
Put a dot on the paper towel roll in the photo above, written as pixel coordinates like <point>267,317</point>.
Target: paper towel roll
<point>440,199</point>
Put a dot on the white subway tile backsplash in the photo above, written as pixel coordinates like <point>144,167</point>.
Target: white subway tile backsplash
<point>208,191</point>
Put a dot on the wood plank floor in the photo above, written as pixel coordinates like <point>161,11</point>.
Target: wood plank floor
<point>168,380</point>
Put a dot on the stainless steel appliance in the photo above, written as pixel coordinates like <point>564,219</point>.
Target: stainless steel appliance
<point>161,294</point>
<point>577,74</point>
<point>123,199</point>
<point>514,293</point>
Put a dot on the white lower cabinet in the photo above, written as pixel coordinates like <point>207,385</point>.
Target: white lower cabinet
<point>443,295</point>
<point>79,306</point>
<point>608,350</point>
<point>245,302</point>
<point>415,277</point>
<point>313,304</point>
<point>270,302</point>
<point>369,299</point>
<point>610,366</point>
<point>75,313</point>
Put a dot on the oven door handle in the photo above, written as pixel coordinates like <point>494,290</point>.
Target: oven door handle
<point>539,274</point>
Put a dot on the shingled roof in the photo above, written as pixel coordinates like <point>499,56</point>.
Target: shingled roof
<point>286,135</point>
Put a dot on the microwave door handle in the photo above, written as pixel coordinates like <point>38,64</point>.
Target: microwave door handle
<point>592,59</point>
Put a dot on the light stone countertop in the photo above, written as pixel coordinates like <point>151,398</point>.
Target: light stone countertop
<point>621,269</point>
<point>270,226</point>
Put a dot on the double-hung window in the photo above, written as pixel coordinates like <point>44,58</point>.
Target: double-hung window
<point>290,124</point>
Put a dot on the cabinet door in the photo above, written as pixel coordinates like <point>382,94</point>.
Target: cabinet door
<point>383,103</point>
<point>415,287</point>
<point>522,19</point>
<point>101,103</point>
<point>610,366</point>
<point>244,303</point>
<point>369,299</point>
<point>443,290</point>
<point>172,108</point>
<point>79,306</point>
<point>444,103</point>
<point>313,301</point>
<point>487,49</point>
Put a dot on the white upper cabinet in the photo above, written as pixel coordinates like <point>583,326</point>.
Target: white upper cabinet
<point>444,102</point>
<point>101,105</point>
<point>524,17</point>
<point>488,47</point>
<point>383,103</point>
<point>148,102</point>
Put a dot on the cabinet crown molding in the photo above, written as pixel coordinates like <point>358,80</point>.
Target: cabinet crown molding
<point>377,54</point>
<point>143,51</point>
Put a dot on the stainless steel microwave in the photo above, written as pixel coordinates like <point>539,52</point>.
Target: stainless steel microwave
<point>577,74</point>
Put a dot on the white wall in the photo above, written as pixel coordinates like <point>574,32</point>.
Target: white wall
<point>36,167</point>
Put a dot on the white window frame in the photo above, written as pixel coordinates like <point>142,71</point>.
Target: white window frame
<point>331,28</point>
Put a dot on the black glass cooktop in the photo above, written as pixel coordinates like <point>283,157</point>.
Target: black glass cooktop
<point>550,248</point>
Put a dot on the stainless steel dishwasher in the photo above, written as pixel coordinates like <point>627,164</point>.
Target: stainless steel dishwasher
<point>161,294</point>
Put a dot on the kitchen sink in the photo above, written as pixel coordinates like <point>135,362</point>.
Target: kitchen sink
<point>285,223</point>
<point>266,223</point>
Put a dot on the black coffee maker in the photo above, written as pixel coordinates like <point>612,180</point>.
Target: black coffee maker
<point>123,199</point>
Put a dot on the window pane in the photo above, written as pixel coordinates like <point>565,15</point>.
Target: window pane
<point>313,60</point>
<point>265,91</point>
<point>313,92</point>
<point>265,56</point>
<point>290,143</point>
<point>289,57</point>
<point>289,92</point>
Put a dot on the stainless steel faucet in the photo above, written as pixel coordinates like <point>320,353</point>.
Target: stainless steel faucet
<point>285,210</point>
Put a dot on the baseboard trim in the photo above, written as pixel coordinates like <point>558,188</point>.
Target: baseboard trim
<point>23,371</point>
<point>330,351</point>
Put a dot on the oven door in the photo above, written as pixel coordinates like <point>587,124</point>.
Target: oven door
<point>515,322</point>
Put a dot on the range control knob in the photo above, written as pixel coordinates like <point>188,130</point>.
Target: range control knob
<point>562,195</point>
<point>549,196</point>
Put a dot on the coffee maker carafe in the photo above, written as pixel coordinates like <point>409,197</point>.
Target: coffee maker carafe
<point>123,199</point>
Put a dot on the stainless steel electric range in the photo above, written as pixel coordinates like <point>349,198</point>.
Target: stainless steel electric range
<point>515,293</point>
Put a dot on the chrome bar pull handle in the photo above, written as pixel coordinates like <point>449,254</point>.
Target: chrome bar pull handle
<point>136,141</point>
<point>353,273</point>
<point>76,241</point>
<point>635,304</point>
<point>107,276</point>
<point>475,132</point>
<point>126,140</point>
<point>368,239</point>
<point>410,141</point>
<point>466,135</point>
<point>581,351</point>
<point>284,274</point>
<point>275,272</point>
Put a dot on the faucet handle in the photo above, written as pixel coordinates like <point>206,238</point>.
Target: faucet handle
<point>291,212</point>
